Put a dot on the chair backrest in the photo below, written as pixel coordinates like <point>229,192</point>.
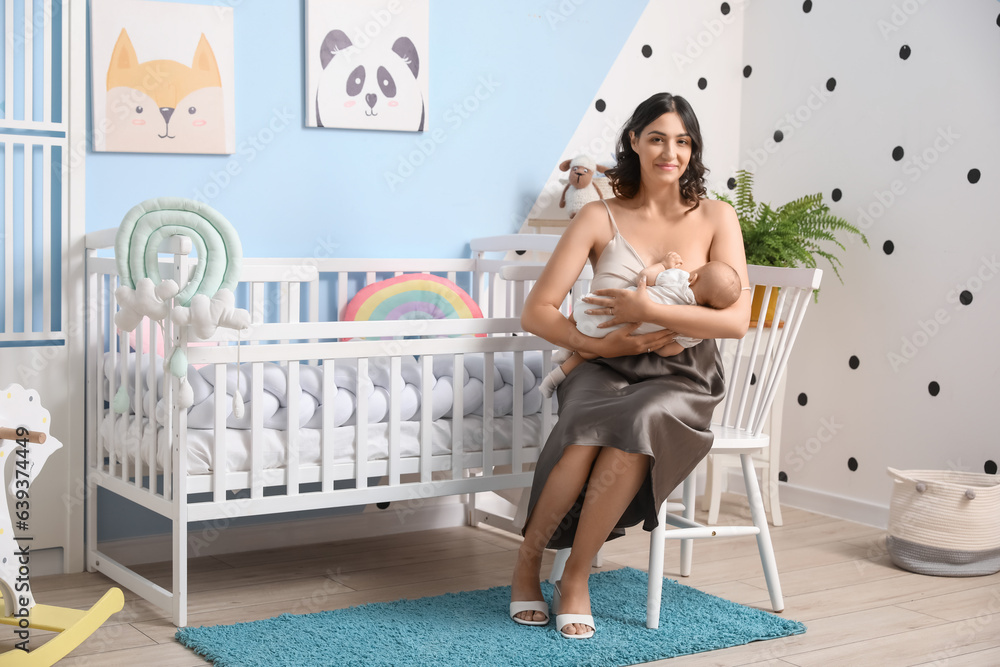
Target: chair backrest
<point>759,359</point>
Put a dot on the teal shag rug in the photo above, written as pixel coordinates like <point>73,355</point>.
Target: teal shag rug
<point>473,628</point>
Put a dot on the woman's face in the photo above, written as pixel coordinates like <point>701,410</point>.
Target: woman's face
<point>664,148</point>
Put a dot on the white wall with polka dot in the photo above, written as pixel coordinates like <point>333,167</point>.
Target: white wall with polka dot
<point>889,109</point>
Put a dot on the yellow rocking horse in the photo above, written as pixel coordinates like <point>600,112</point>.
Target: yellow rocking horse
<point>24,437</point>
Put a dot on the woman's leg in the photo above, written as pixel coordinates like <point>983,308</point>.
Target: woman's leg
<point>557,497</point>
<point>614,481</point>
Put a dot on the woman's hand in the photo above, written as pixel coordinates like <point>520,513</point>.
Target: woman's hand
<point>623,305</point>
<point>621,342</point>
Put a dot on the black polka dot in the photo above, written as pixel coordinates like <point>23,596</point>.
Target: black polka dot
<point>520,252</point>
<point>836,194</point>
<point>778,135</point>
<point>782,476</point>
<point>904,51</point>
<point>965,297</point>
<point>854,362</point>
<point>831,83</point>
<point>731,184</point>
<point>702,83</point>
<point>803,399</point>
<point>974,176</point>
<point>998,20</point>
<point>753,379</point>
<point>897,153</point>
<point>724,8</point>
<point>382,506</point>
<point>852,464</point>
<point>888,247</point>
<point>647,50</point>
<point>746,71</point>
<point>990,467</point>
<point>807,6</point>
<point>934,388</point>
<point>600,105</point>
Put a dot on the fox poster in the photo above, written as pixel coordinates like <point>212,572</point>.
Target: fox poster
<point>162,77</point>
<point>366,64</point>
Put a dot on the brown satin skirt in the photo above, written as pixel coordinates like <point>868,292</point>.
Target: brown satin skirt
<point>646,404</point>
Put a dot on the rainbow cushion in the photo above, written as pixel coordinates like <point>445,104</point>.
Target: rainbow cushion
<point>414,296</point>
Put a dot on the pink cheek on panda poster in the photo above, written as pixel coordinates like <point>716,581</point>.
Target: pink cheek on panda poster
<point>138,121</point>
<point>349,103</point>
<point>199,123</point>
<point>394,103</point>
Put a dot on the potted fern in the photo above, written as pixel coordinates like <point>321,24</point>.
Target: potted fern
<point>789,235</point>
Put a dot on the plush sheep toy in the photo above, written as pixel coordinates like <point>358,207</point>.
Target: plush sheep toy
<point>581,186</point>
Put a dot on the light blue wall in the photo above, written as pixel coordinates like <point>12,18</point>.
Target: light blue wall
<point>323,192</point>
<point>310,188</point>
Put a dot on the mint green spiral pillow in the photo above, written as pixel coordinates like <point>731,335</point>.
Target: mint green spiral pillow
<point>146,225</point>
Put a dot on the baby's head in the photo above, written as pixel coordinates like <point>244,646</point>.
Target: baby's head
<point>716,285</point>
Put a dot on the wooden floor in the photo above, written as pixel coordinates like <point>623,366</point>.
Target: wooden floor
<point>860,610</point>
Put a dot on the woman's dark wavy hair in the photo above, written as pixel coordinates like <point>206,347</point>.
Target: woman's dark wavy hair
<point>625,176</point>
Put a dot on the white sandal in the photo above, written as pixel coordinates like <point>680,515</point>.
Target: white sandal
<point>529,605</point>
<point>562,620</point>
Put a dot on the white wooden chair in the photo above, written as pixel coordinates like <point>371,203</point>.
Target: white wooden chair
<point>750,391</point>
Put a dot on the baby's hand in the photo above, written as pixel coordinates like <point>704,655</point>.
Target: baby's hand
<point>650,273</point>
<point>672,260</point>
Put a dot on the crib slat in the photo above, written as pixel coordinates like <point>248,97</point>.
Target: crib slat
<point>426,424</point>
<point>219,462</point>
<point>96,351</point>
<point>168,427</point>
<point>361,426</point>
<point>547,423</point>
<point>292,428</point>
<point>152,390</point>
<point>488,407</point>
<point>329,393</point>
<point>342,285</point>
<point>517,427</point>
<point>395,401</point>
<point>123,366</point>
<point>28,173</point>
<point>457,410</point>
<point>257,428</point>
<point>137,396</point>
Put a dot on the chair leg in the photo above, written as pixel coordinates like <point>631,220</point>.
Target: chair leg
<point>706,498</point>
<point>772,494</point>
<point>687,546</point>
<point>764,536</point>
<point>655,589</point>
<point>558,565</point>
<point>716,485</point>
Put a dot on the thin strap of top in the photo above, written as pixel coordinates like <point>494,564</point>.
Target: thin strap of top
<point>614,227</point>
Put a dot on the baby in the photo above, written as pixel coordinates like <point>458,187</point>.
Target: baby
<point>716,285</point>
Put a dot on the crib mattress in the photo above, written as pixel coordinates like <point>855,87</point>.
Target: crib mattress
<point>122,434</point>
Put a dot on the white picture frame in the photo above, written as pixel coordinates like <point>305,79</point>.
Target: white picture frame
<point>163,77</point>
<point>367,64</point>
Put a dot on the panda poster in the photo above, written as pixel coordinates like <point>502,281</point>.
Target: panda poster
<point>162,76</point>
<point>366,64</point>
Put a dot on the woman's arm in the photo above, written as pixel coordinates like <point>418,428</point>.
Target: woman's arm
<point>692,321</point>
<point>541,315</point>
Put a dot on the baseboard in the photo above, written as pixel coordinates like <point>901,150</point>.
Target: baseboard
<point>299,532</point>
<point>822,502</point>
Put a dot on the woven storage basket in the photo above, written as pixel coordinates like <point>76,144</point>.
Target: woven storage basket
<point>945,522</point>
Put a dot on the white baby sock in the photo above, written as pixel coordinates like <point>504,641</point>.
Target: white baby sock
<point>551,381</point>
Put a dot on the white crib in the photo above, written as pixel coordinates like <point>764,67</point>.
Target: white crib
<point>150,455</point>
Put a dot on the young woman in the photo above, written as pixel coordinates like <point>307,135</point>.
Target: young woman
<point>635,422</point>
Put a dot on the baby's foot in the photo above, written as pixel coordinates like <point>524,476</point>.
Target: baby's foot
<point>551,381</point>
<point>526,585</point>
